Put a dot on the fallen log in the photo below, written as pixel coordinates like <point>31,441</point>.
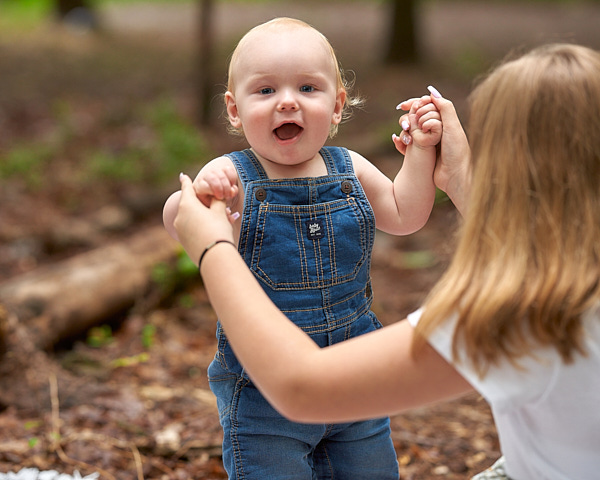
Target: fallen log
<point>67,298</point>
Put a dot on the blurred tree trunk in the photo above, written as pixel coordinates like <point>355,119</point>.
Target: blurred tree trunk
<point>63,7</point>
<point>403,37</point>
<point>77,13</point>
<point>204,76</point>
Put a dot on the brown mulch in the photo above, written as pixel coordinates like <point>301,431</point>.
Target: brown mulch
<point>138,405</point>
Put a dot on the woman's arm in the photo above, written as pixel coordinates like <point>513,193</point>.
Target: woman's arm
<point>369,376</point>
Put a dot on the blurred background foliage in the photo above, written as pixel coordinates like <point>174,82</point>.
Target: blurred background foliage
<point>83,105</point>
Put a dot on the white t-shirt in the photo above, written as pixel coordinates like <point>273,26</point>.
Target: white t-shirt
<point>547,414</point>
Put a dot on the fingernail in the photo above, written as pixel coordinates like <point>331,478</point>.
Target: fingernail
<point>394,136</point>
<point>235,215</point>
<point>180,176</point>
<point>434,92</point>
<point>406,139</point>
<point>405,125</point>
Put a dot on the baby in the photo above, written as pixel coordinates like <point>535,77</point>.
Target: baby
<point>304,219</point>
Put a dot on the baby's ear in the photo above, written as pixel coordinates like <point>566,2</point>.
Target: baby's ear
<point>232,110</point>
<point>340,101</point>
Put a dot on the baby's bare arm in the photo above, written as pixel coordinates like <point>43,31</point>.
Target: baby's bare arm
<point>401,206</point>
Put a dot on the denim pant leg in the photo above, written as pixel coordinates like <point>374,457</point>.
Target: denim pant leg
<point>362,450</point>
<point>258,443</point>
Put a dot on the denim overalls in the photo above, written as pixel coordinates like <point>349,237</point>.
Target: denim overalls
<point>308,241</point>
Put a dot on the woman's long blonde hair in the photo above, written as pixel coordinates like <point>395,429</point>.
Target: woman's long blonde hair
<point>527,263</point>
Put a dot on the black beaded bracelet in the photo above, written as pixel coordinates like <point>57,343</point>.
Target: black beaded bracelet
<point>211,245</point>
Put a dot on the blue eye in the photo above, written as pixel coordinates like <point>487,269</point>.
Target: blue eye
<point>266,91</point>
<point>307,88</point>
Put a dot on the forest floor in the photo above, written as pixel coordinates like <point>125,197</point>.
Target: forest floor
<point>141,407</point>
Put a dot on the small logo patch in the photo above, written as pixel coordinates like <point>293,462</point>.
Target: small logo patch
<point>314,229</point>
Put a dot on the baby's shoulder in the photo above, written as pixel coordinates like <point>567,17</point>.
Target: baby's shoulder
<point>218,163</point>
<point>222,160</point>
<point>360,163</point>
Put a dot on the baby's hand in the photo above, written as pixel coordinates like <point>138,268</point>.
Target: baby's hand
<point>218,182</point>
<point>421,125</point>
<point>426,123</point>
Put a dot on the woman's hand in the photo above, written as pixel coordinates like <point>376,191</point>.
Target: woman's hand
<point>452,171</point>
<point>197,225</point>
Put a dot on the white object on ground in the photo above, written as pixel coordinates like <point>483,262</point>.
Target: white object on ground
<point>35,474</point>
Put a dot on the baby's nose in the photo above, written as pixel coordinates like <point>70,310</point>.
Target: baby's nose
<point>288,101</point>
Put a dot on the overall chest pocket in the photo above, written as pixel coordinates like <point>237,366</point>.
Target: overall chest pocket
<point>309,246</point>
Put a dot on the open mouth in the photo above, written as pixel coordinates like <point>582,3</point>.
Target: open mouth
<point>288,131</point>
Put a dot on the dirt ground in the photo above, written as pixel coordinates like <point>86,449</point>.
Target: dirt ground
<point>140,407</point>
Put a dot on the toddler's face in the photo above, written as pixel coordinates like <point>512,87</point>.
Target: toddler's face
<point>285,94</point>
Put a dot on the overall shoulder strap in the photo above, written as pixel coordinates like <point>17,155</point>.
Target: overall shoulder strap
<point>338,160</point>
<point>247,165</point>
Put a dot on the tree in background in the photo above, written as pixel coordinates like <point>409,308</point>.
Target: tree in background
<point>76,13</point>
<point>63,7</point>
<point>402,44</point>
<point>205,74</point>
